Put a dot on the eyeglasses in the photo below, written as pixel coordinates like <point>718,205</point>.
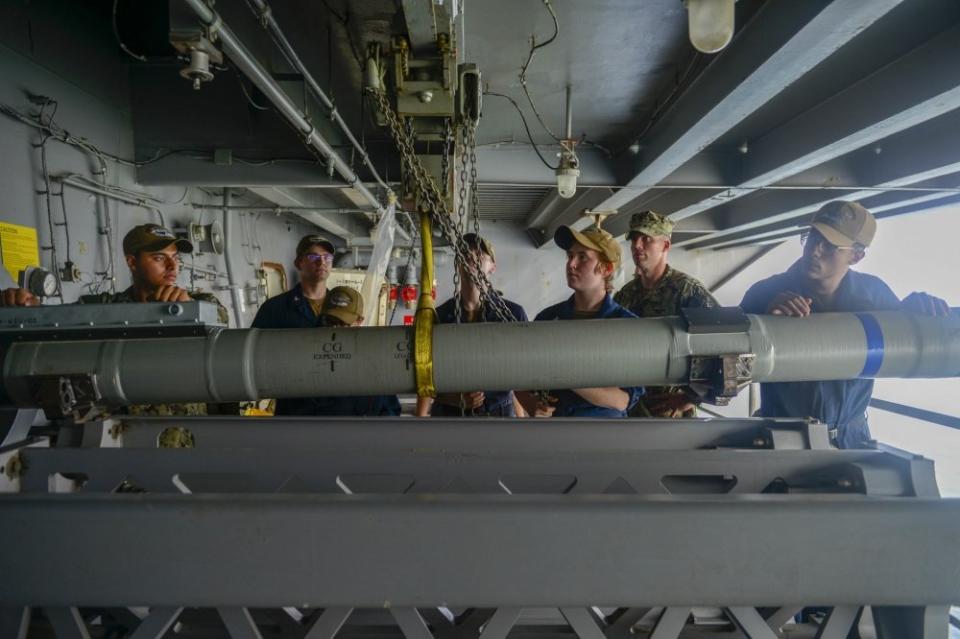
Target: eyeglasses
<point>326,258</point>
<point>814,238</point>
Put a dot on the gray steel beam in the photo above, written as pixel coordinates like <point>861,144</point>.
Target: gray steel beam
<point>614,550</point>
<point>762,61</point>
<point>912,90</point>
<point>568,212</point>
<point>182,170</point>
<point>734,472</point>
<point>909,158</point>
<point>343,225</point>
<point>426,20</point>
<point>519,164</point>
<point>439,434</point>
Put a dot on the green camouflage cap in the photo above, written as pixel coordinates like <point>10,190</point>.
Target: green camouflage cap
<point>650,223</point>
<point>343,303</point>
<point>593,238</point>
<point>152,237</point>
<point>845,224</point>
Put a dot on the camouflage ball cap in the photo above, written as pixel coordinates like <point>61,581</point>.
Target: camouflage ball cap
<point>845,224</point>
<point>343,303</point>
<point>153,237</point>
<point>650,223</point>
<point>593,238</point>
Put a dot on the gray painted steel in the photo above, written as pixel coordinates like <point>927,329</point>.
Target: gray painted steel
<point>557,435</point>
<point>486,551</point>
<point>702,472</point>
<point>248,364</point>
<point>25,319</point>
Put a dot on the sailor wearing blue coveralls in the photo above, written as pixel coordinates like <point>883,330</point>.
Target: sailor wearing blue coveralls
<point>593,256</point>
<point>300,306</point>
<point>473,309</point>
<point>819,282</point>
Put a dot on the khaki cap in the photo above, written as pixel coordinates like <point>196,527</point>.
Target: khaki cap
<point>475,241</point>
<point>152,237</point>
<point>309,241</point>
<point>650,223</point>
<point>343,303</point>
<point>593,238</point>
<point>844,224</point>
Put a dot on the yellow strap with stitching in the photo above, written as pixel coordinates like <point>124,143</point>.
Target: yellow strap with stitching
<point>426,315</point>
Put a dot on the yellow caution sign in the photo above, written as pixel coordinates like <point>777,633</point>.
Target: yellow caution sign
<point>18,248</point>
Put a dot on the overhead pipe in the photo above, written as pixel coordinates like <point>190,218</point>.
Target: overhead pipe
<point>260,77</point>
<point>265,15</point>
<point>233,365</point>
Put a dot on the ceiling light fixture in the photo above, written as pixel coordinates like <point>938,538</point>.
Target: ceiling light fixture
<point>711,23</point>
<point>569,169</point>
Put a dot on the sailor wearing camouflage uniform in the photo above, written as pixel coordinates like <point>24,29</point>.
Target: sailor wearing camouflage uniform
<point>153,253</point>
<point>658,290</point>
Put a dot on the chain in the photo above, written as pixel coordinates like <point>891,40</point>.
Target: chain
<point>471,145</point>
<point>431,199</point>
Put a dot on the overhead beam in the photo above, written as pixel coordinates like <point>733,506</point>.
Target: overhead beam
<point>518,164</point>
<point>910,91</point>
<point>343,225</point>
<point>764,59</point>
<point>924,152</point>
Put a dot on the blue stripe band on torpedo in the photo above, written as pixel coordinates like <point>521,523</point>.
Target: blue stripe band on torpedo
<point>874,335</point>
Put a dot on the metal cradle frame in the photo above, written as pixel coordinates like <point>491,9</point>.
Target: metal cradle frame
<point>453,529</point>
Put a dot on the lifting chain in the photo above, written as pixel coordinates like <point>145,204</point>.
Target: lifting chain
<point>431,199</point>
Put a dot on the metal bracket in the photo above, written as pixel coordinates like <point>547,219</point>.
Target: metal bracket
<point>76,397</point>
<point>469,93</point>
<point>717,378</point>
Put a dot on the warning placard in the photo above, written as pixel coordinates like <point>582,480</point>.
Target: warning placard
<point>18,248</point>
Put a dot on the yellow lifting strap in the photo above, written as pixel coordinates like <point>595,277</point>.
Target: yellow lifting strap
<point>426,315</point>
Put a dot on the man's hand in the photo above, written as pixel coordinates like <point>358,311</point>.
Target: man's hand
<point>545,408</point>
<point>790,304</point>
<point>470,400</point>
<point>671,405</point>
<point>925,304</point>
<point>171,294</point>
<point>18,297</point>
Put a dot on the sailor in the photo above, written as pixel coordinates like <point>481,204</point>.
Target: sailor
<point>822,281</point>
<point>473,309</point>
<point>342,307</point>
<point>152,253</point>
<point>593,257</point>
<point>300,306</point>
<point>658,290</point>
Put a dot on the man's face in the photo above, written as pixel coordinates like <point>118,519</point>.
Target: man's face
<point>153,269</point>
<point>487,265</point>
<point>315,264</point>
<point>585,271</point>
<point>823,261</point>
<point>648,251</point>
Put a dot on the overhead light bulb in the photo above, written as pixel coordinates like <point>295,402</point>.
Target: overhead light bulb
<point>569,169</point>
<point>711,23</point>
<point>567,181</point>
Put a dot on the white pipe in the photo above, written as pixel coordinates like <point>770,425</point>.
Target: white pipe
<point>260,77</point>
<point>264,13</point>
<point>236,297</point>
<point>231,365</point>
